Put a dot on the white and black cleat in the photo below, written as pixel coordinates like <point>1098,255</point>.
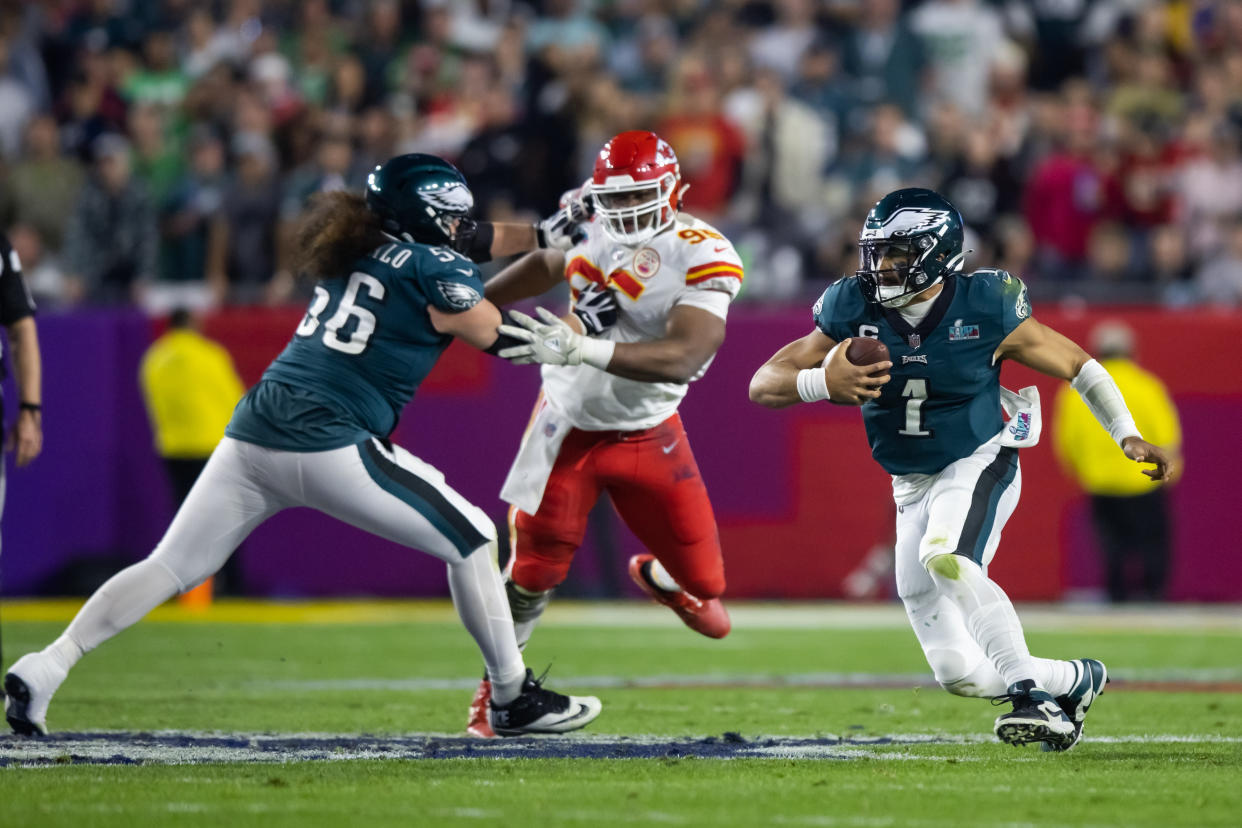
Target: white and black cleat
<point>28,686</point>
<point>1036,717</point>
<point>538,710</point>
<point>1092,676</point>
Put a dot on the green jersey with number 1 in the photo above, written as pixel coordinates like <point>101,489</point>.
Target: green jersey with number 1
<point>360,352</point>
<point>943,399</point>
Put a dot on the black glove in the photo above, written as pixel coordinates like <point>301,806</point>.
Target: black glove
<point>596,309</point>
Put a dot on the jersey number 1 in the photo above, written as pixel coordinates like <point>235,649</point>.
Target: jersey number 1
<point>356,343</point>
<point>916,389</point>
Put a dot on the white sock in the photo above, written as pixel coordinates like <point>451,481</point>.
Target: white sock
<point>479,596</point>
<point>659,576</point>
<point>120,603</point>
<point>64,652</point>
<point>1056,676</point>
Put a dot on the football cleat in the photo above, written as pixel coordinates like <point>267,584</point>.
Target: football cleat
<point>1092,676</point>
<point>1036,717</point>
<point>477,722</point>
<point>709,618</point>
<point>29,686</point>
<point>538,710</point>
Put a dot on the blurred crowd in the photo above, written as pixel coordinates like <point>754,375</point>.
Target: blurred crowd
<point>159,151</point>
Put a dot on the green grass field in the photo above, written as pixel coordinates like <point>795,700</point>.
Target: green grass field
<point>835,721</point>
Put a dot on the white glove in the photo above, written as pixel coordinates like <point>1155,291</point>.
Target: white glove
<point>552,342</point>
<point>560,231</point>
<point>579,203</point>
<point>567,226</point>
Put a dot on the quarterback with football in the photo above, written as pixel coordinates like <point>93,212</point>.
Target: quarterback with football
<point>651,289</point>
<point>933,417</point>
<point>390,294</point>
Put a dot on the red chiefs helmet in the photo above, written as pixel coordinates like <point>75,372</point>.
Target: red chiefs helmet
<point>636,186</point>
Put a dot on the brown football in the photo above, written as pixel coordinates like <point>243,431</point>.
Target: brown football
<point>863,350</point>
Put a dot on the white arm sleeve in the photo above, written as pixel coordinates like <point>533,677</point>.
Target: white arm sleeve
<point>1099,391</point>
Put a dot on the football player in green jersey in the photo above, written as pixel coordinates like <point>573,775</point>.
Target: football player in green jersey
<point>933,419</point>
<point>391,293</point>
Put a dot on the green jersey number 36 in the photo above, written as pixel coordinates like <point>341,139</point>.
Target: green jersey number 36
<point>348,308</point>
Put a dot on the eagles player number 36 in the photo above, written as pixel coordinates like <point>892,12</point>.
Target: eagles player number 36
<point>356,343</point>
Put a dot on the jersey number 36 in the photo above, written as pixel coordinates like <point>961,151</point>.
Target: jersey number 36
<point>356,341</point>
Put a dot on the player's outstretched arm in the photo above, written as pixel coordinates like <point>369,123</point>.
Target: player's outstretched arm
<point>692,336</point>
<point>535,273</point>
<point>776,383</point>
<point>483,241</point>
<point>476,327</point>
<point>1037,346</point>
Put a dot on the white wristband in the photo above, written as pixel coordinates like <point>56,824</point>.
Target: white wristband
<point>813,385</point>
<point>1103,398</point>
<point>597,352</point>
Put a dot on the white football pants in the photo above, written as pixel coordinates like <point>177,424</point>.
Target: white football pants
<point>963,511</point>
<point>965,623</point>
<point>373,485</point>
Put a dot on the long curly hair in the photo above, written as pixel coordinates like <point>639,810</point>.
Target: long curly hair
<point>336,229</point>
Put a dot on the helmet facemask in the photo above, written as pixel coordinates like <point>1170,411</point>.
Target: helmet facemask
<point>891,271</point>
<point>633,212</point>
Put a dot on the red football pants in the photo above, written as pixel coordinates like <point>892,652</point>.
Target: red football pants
<point>655,486</point>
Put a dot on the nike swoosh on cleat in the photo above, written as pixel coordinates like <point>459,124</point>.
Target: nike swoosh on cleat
<point>582,711</point>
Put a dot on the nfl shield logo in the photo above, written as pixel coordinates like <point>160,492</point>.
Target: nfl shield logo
<point>915,341</point>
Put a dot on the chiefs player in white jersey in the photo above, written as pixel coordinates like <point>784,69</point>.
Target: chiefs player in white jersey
<point>651,290</point>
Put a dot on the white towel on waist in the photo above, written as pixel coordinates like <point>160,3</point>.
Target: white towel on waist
<point>528,476</point>
<point>1025,422</point>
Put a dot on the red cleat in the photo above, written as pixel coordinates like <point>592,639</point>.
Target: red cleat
<point>478,724</point>
<point>708,618</point>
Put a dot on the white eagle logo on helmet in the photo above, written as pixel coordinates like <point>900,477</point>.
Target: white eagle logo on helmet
<point>907,221</point>
<point>453,198</point>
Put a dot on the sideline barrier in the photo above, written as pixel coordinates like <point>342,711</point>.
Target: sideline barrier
<point>796,495</point>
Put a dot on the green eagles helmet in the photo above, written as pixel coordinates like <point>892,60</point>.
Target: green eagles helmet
<point>919,233</point>
<point>417,197</point>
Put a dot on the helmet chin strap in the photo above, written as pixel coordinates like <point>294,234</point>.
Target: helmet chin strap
<point>898,301</point>
<point>904,299</point>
